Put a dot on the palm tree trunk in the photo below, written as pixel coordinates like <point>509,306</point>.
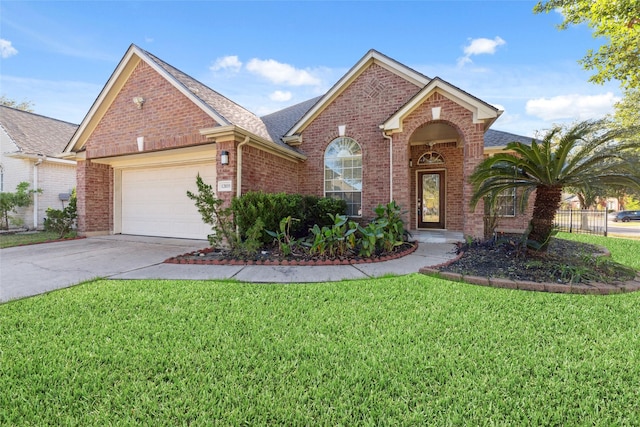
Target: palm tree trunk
<point>546,204</point>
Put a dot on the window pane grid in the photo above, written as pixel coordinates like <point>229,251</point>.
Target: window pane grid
<point>343,173</point>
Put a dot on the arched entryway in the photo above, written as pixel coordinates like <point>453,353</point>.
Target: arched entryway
<point>436,176</point>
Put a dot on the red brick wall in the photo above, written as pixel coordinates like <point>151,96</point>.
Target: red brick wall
<point>167,119</point>
<point>472,142</point>
<point>370,100</point>
<point>263,171</point>
<point>453,157</point>
<point>94,198</point>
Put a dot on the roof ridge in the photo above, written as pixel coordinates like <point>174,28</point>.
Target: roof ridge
<point>39,115</point>
<point>157,59</point>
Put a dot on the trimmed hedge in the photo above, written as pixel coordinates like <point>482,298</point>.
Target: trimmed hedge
<point>272,207</point>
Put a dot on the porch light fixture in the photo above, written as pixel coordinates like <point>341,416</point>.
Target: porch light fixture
<point>139,101</point>
<point>410,163</point>
<point>224,157</point>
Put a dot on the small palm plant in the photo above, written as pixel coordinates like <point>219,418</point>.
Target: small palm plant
<point>590,154</point>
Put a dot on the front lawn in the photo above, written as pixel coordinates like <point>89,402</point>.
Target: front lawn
<point>8,240</point>
<point>411,350</point>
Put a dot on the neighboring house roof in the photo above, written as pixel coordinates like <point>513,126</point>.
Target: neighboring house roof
<point>498,139</point>
<point>35,134</point>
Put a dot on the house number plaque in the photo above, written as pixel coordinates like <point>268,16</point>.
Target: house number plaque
<point>224,186</point>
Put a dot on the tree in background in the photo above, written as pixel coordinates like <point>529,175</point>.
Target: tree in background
<point>618,58</point>
<point>25,105</point>
<point>616,20</point>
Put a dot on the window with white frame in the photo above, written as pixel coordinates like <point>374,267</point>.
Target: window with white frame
<point>506,203</point>
<point>343,173</point>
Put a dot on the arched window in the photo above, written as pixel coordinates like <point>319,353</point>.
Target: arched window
<point>343,173</point>
<point>431,158</point>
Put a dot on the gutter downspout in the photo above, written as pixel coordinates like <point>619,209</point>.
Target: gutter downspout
<point>390,138</point>
<point>35,194</point>
<point>239,167</point>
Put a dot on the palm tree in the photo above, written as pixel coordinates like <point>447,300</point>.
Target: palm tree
<point>588,155</point>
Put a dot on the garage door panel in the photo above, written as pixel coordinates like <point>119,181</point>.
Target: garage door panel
<point>155,202</point>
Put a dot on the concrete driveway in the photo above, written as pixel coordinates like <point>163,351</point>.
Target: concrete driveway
<point>35,269</point>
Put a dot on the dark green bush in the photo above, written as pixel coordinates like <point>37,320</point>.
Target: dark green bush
<point>272,208</point>
<point>62,221</point>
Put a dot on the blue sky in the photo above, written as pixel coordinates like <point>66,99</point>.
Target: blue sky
<point>268,55</point>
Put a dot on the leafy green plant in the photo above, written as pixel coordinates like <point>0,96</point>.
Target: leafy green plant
<point>272,208</point>
<point>10,202</point>
<point>335,240</point>
<point>283,238</point>
<point>62,221</point>
<point>389,217</point>
<point>213,213</point>
<point>369,238</point>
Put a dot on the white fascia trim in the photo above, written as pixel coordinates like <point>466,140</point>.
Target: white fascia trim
<point>225,132</point>
<point>36,157</point>
<point>371,57</point>
<point>481,111</point>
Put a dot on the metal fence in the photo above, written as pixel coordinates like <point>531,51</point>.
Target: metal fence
<point>582,221</point>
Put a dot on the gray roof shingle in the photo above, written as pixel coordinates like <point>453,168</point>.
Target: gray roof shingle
<point>274,126</point>
<point>497,138</point>
<point>233,113</point>
<point>36,134</point>
<point>278,123</point>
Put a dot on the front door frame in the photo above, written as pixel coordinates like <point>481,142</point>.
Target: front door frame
<point>420,224</point>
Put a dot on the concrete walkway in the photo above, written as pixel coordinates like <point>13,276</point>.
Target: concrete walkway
<point>36,269</point>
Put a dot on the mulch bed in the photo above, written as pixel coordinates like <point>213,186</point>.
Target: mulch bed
<point>564,262</point>
<point>210,256</point>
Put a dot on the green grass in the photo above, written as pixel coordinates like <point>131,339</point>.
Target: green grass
<point>17,239</point>
<point>411,350</point>
<point>624,251</point>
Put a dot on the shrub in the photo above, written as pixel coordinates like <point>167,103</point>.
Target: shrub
<point>212,212</point>
<point>272,208</point>
<point>62,221</point>
<point>10,202</point>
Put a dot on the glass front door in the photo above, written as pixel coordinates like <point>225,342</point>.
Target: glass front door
<point>431,199</point>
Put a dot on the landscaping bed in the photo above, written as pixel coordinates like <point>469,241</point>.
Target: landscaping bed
<point>273,256</point>
<point>567,262</point>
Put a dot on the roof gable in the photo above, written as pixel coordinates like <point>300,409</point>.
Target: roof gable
<point>371,57</point>
<point>222,110</point>
<point>482,111</point>
<point>35,134</point>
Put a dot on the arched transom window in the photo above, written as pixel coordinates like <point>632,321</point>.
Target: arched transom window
<point>431,158</point>
<point>343,173</point>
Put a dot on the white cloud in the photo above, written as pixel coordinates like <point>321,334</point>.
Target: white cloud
<point>280,73</point>
<point>574,106</point>
<point>6,49</point>
<point>481,46</point>
<point>231,63</point>
<point>281,96</point>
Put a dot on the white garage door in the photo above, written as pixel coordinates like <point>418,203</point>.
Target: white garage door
<point>155,202</point>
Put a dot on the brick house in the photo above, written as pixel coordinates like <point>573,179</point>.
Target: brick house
<point>29,146</point>
<point>382,132</point>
